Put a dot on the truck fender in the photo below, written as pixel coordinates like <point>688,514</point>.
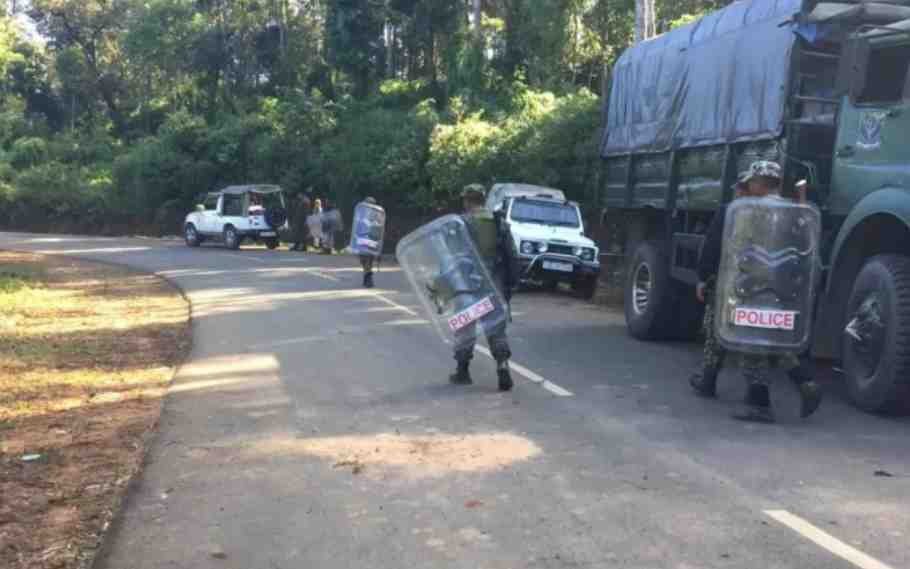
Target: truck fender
<point>893,202</point>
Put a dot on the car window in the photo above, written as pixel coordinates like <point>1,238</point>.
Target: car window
<point>232,205</point>
<point>211,203</point>
<point>530,211</point>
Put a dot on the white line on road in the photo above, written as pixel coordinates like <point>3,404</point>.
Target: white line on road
<point>246,257</point>
<point>826,540</point>
<point>520,369</point>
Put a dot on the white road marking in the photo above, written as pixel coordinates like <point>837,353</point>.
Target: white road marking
<point>826,540</point>
<point>246,257</point>
<point>520,369</point>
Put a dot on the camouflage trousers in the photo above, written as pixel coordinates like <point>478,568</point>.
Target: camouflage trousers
<point>755,367</point>
<point>467,337</point>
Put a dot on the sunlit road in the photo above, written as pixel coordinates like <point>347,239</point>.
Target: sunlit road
<point>313,427</point>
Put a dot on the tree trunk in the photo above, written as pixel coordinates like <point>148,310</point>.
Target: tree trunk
<point>477,17</point>
<point>645,23</point>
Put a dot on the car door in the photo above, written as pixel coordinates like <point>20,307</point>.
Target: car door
<point>208,216</point>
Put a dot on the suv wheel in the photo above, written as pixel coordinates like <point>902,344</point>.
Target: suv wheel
<point>191,236</point>
<point>231,238</point>
<point>271,243</point>
<point>877,336</point>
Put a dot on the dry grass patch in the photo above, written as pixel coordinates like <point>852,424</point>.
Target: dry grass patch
<point>86,354</point>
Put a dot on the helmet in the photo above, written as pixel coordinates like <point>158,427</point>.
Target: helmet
<point>474,190</point>
<point>370,200</point>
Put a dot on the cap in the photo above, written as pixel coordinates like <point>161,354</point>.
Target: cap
<point>759,168</point>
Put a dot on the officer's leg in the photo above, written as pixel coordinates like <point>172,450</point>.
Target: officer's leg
<point>464,353</point>
<point>810,392</point>
<point>705,383</point>
<point>366,261</point>
<point>499,347</point>
<point>757,406</point>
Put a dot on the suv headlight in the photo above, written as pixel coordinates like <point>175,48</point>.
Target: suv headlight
<point>587,254</point>
<point>541,247</point>
<point>527,248</point>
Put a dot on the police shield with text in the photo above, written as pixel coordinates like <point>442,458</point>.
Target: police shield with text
<point>765,292</point>
<point>367,236</point>
<point>455,267</point>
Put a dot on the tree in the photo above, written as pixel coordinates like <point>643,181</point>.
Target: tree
<point>645,20</point>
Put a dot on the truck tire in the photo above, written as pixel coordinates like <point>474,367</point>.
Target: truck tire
<point>649,294</point>
<point>876,350</point>
<point>272,243</point>
<point>232,239</point>
<point>191,236</point>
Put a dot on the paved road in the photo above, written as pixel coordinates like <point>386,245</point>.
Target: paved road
<point>313,428</point>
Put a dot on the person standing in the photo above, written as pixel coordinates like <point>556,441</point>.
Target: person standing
<point>761,180</point>
<point>370,230</point>
<point>301,211</point>
<point>493,244</point>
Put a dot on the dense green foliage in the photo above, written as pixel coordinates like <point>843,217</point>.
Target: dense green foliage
<point>120,113</point>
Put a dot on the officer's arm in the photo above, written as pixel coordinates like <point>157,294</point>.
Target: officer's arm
<point>709,259</point>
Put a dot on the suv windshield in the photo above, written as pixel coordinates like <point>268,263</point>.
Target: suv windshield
<point>549,213</point>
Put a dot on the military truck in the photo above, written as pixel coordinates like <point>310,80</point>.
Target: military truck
<point>821,88</point>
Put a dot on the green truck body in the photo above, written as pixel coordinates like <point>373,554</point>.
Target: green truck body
<point>824,91</point>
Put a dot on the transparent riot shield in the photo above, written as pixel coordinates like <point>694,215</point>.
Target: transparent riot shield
<point>368,229</point>
<point>768,276</point>
<point>451,280</point>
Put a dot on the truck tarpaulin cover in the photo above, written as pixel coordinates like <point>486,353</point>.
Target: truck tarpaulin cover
<point>720,79</point>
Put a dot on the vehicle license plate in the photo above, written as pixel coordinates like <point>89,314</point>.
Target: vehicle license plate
<point>367,242</point>
<point>763,318</point>
<point>556,266</point>
<point>471,314</point>
<point>267,234</point>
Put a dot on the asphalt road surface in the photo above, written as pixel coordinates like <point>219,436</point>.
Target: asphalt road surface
<point>313,427</point>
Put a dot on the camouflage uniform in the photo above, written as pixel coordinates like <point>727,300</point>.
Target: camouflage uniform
<point>483,229</point>
<point>493,246</point>
<point>755,367</point>
<point>713,353</point>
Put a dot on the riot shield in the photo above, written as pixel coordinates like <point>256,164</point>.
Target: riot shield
<point>768,276</point>
<point>450,279</point>
<point>368,229</point>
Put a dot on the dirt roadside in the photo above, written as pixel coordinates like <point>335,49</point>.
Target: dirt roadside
<point>86,354</point>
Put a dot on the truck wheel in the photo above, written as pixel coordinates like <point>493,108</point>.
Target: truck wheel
<point>585,287</point>
<point>272,244</point>
<point>649,294</point>
<point>877,336</point>
<point>231,238</point>
<point>191,236</point>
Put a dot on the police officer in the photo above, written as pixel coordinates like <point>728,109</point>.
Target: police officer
<point>298,223</point>
<point>762,179</point>
<point>493,244</point>
<point>366,261</point>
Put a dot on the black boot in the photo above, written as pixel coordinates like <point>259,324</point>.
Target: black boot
<point>810,392</point>
<point>504,375</point>
<point>705,383</point>
<point>461,376</point>
<point>757,407</point>
<point>368,280</point>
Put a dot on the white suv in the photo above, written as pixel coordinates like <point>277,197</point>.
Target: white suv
<point>548,236</point>
<point>237,213</point>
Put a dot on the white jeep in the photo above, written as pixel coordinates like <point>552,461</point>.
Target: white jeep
<point>236,213</point>
<point>549,239</point>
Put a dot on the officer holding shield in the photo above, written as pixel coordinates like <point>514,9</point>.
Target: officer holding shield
<point>762,180</point>
<point>367,236</point>
<point>493,244</point>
